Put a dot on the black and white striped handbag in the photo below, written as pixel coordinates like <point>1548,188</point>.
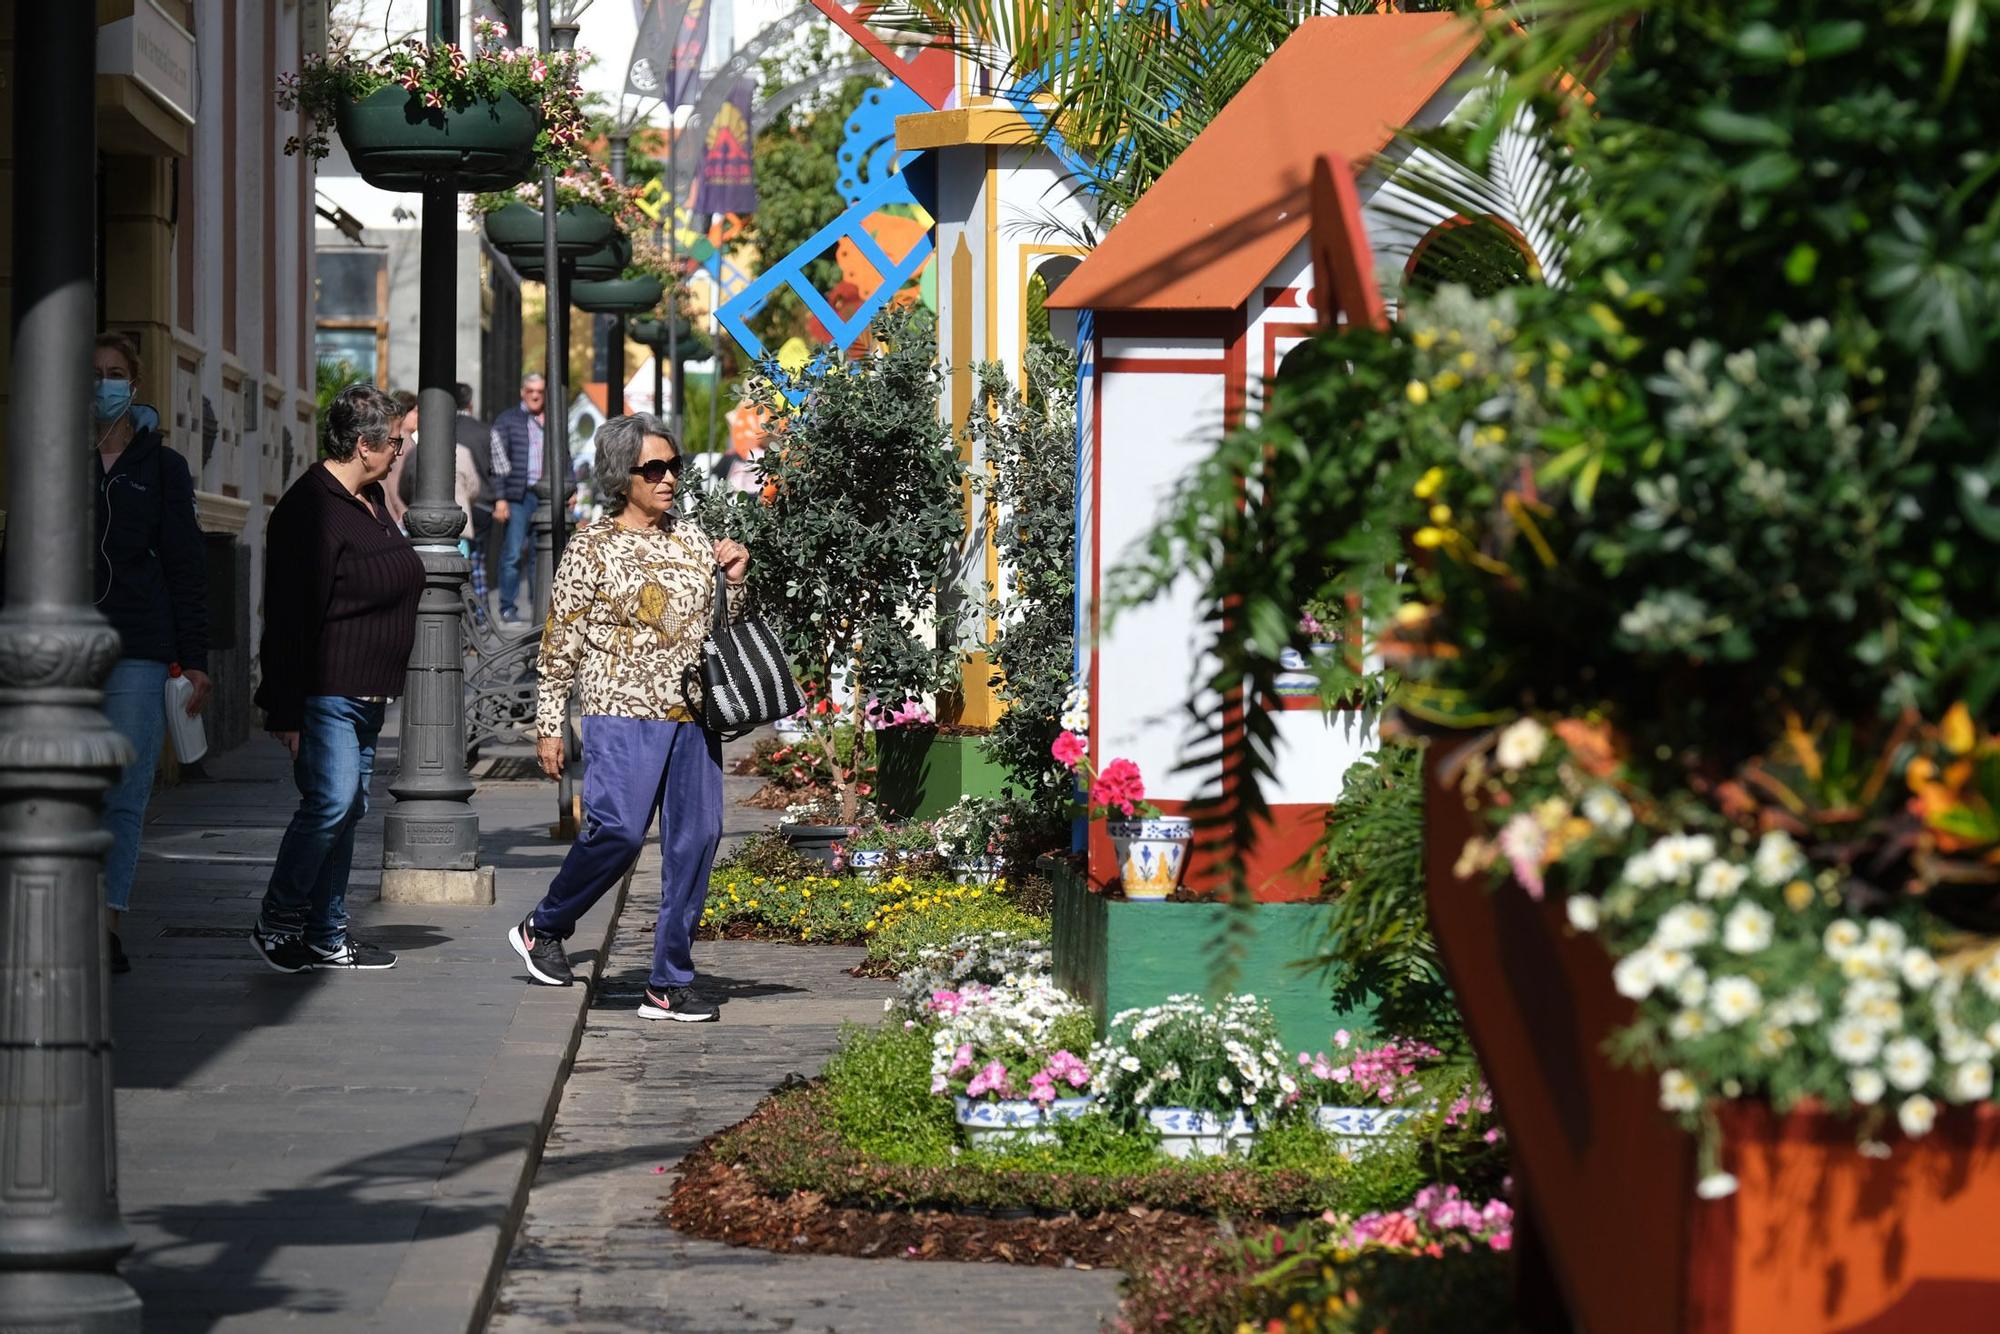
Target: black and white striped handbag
<point>745,680</point>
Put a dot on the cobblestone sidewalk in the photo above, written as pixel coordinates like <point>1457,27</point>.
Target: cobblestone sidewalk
<point>592,1253</point>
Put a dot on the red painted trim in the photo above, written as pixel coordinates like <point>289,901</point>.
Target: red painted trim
<point>1288,298</point>
<point>1272,333</point>
<point>930,74</point>
<point>1458,220</point>
<point>1166,365</point>
<point>1343,265</point>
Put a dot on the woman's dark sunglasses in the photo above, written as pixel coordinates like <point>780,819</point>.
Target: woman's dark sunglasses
<point>656,471</point>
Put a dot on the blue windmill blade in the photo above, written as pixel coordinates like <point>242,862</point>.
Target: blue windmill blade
<point>790,274</point>
<point>868,153</point>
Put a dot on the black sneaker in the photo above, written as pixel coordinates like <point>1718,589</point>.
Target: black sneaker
<point>284,952</point>
<point>547,964</point>
<point>355,954</point>
<point>679,1004</point>
<point>119,963</point>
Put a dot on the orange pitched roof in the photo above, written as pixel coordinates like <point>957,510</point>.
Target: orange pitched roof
<point>1234,204</point>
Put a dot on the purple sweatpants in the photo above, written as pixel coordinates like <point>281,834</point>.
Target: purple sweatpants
<point>633,767</point>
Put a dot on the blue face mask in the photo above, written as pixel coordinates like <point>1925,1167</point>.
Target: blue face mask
<point>111,399</point>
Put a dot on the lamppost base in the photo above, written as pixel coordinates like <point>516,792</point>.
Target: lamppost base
<point>410,885</point>
<point>73,1301</point>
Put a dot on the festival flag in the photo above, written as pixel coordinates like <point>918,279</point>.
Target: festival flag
<point>728,170</point>
<point>666,58</point>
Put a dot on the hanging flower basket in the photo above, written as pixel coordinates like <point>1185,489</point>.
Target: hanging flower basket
<point>396,142</point>
<point>649,333</point>
<point>515,230</point>
<point>600,265</point>
<point>618,296</point>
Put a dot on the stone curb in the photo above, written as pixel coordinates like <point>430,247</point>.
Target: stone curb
<point>500,1148</point>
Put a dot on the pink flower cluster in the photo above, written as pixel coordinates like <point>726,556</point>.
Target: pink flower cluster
<point>910,713</point>
<point>1385,1073</point>
<point>1117,786</point>
<point>1065,1066</point>
<point>992,1078</point>
<point>1439,1218</point>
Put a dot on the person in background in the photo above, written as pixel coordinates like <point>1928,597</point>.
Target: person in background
<point>465,481</point>
<point>152,585</point>
<point>340,616</point>
<point>398,488</point>
<point>516,447</point>
<point>475,438</point>
<point>629,613</point>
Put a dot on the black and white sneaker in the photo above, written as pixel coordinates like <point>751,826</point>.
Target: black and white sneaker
<point>679,1004</point>
<point>547,964</point>
<point>284,952</point>
<point>354,954</point>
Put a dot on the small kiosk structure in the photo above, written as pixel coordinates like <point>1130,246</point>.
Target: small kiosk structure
<point>1235,257</point>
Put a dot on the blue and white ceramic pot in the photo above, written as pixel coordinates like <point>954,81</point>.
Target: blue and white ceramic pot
<point>1187,1133</point>
<point>998,1121</point>
<point>1152,853</point>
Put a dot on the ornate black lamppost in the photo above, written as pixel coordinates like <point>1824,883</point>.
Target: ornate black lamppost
<point>60,1233</point>
<point>430,838</point>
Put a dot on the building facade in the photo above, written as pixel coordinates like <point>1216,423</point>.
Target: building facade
<point>206,259</point>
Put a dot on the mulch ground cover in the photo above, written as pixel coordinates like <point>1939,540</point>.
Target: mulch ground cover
<point>719,1201</point>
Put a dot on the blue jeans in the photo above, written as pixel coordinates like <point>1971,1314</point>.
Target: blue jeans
<point>517,550</point>
<point>308,891</point>
<point>633,767</point>
<point>134,701</point>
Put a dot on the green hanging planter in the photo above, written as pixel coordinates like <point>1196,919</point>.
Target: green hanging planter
<point>607,261</point>
<point>515,229</point>
<point>650,333</point>
<point>618,296</point>
<point>397,143</point>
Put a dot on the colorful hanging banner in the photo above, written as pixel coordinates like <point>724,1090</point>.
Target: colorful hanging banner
<point>728,169</point>
<point>666,58</point>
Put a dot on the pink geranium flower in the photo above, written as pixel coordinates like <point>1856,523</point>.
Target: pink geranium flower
<point>1068,749</point>
<point>1118,785</point>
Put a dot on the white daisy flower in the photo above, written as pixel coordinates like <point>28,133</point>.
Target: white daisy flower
<point>1669,965</point>
<point>1633,975</point>
<point>1843,937</point>
<point>1886,939</point>
<point>1918,967</point>
<point>1641,871</point>
<point>1521,744</point>
<point>1606,810</point>
<point>1970,1082</point>
<point>1732,1000</point>
<point>1692,987</point>
<point>1747,929</point>
<point>1866,1086</point>
<point>1129,1064</point>
<point>1685,926</point>
<point>1719,880</point>
<point>1987,975</point>
<point>1677,856</point>
<point>1688,1024</point>
<point>1854,1041</point>
<point>1917,1115</point>
<point>1956,1045</point>
<point>1800,1007</point>
<point>1678,1093</point>
<point>1907,1062</point>
<point>1583,911</point>
<point>1225,1088</point>
<point>1778,858</point>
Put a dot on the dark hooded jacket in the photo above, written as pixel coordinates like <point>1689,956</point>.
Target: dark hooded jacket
<point>150,557</point>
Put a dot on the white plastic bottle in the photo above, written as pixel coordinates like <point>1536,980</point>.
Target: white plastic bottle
<point>190,737</point>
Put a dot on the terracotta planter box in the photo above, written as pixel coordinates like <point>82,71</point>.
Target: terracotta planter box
<point>398,143</point>
<point>1610,1233</point>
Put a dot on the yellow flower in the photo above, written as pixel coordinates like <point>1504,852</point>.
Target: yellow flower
<point>808,893</point>
<point>1447,381</point>
<point>1424,339</point>
<point>1427,485</point>
<point>1440,514</point>
<point>1429,538</point>
<point>1418,391</point>
<point>1467,360</point>
<point>1798,895</point>
<point>751,904</point>
<point>1957,730</point>
<point>1606,319</point>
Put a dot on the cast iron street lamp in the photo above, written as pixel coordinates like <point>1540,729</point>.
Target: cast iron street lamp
<point>60,1234</point>
<point>430,837</point>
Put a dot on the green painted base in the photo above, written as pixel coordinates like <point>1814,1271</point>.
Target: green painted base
<point>923,774</point>
<point>1116,955</point>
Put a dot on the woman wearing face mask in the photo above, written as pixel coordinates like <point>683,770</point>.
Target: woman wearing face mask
<point>152,585</point>
<point>632,603</point>
<point>340,615</point>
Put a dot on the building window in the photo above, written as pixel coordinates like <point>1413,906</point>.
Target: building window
<point>351,310</point>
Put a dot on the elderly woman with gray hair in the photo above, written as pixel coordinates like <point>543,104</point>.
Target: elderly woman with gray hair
<point>631,606</point>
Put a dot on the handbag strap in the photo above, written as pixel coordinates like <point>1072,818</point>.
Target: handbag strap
<point>721,601</point>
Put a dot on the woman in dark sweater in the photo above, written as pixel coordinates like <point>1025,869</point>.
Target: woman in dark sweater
<point>152,585</point>
<point>340,614</point>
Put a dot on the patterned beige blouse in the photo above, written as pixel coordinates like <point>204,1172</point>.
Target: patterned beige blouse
<point>627,618</point>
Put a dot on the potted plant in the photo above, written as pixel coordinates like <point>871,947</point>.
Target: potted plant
<point>1361,1093</point>
<point>1152,847</point>
<point>417,114</point>
<point>970,837</point>
<point>605,262</point>
<point>864,515</point>
<point>878,848</point>
<point>1202,1076</point>
<point>1322,621</point>
<point>591,205</point>
<point>1006,1054</point>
